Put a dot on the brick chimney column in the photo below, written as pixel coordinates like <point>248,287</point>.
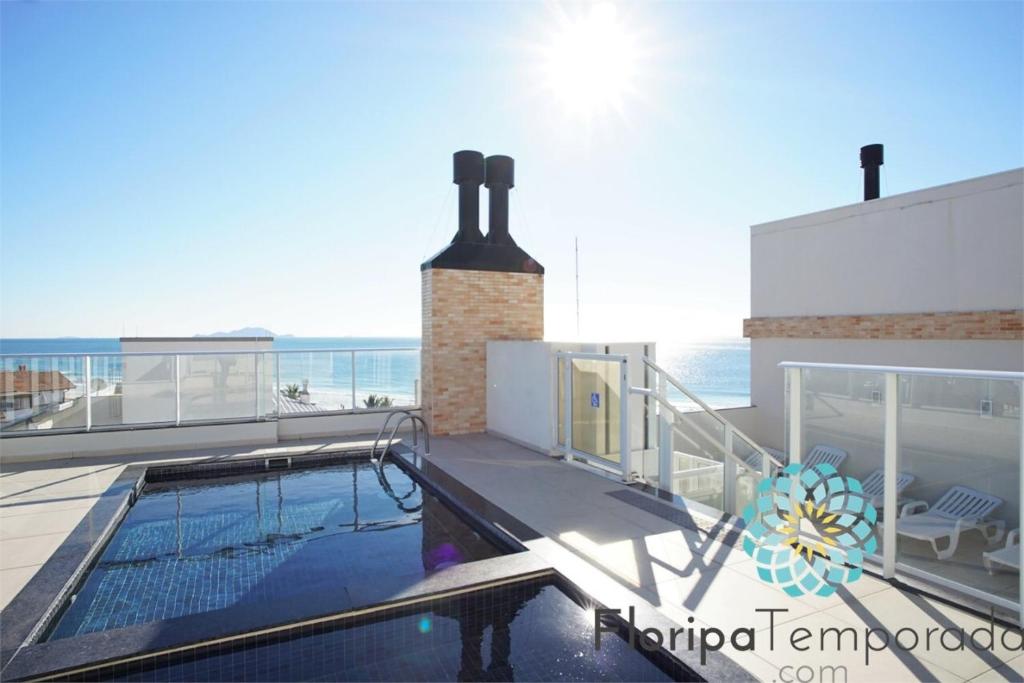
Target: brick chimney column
<point>462,311</point>
<point>475,290</point>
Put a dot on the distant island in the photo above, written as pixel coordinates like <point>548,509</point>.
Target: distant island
<point>245,332</point>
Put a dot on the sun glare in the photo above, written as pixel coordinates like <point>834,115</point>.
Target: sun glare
<point>590,62</point>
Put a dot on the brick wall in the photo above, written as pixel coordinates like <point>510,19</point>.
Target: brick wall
<point>991,325</point>
<point>462,311</point>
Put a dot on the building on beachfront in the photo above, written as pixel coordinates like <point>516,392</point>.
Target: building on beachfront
<point>27,393</point>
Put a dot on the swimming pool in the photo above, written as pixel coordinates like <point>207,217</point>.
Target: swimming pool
<point>313,540</point>
<point>533,630</point>
<point>334,570</point>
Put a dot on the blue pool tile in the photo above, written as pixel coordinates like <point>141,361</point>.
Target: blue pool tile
<point>190,547</point>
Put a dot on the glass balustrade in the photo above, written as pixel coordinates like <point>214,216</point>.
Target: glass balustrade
<point>43,393</point>
<point>960,441</point>
<point>952,442</point>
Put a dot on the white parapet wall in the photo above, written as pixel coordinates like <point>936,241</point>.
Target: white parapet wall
<point>40,445</point>
<point>522,389</point>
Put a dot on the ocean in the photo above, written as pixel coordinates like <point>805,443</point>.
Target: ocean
<point>717,371</point>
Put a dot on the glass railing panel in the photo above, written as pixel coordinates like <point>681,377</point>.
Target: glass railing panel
<point>386,379</point>
<point>961,432</point>
<point>748,472</point>
<point>42,393</point>
<point>698,459</point>
<point>218,386</point>
<point>596,408</point>
<point>267,384</point>
<point>315,381</point>
<point>843,418</point>
<point>133,390</point>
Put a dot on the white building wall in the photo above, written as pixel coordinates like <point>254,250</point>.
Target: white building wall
<point>956,247</point>
<point>522,389</point>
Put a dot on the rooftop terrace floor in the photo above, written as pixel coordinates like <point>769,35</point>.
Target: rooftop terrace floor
<point>619,545</point>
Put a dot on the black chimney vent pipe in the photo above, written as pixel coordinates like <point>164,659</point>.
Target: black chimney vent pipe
<point>470,250</point>
<point>468,174</point>
<point>871,158</point>
<point>500,178</point>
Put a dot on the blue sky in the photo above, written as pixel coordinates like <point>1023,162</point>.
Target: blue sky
<point>189,167</point>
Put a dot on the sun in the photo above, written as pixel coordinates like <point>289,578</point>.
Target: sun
<point>590,62</point>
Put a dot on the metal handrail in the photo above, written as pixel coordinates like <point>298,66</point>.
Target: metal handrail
<point>941,372</point>
<point>226,352</point>
<point>683,416</point>
<point>405,415</point>
<point>379,462</point>
<point>384,425</point>
<point>706,408</point>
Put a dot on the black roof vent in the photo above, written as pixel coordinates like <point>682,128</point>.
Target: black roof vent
<point>871,159</point>
<point>468,174</point>
<point>470,250</point>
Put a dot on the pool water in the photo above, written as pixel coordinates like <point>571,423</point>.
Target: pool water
<point>529,631</point>
<point>322,537</point>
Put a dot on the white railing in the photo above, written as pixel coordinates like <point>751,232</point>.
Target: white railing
<point>111,391</point>
<point>698,455</point>
<point>927,430</point>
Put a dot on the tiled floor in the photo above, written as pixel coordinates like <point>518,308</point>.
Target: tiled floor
<point>601,542</point>
<point>39,506</point>
<point>684,573</point>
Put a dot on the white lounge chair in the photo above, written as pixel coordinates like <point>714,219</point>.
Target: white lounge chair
<point>825,454</point>
<point>754,459</point>
<point>960,509</point>
<point>874,486</point>
<point>1008,555</point>
<point>819,454</point>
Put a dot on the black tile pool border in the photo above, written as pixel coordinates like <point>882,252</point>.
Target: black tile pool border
<point>38,606</point>
<point>663,659</point>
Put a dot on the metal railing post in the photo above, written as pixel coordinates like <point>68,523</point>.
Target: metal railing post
<point>666,451</point>
<point>729,475</point>
<point>795,431</point>
<point>567,404</point>
<point>257,367</point>
<point>177,390</point>
<point>1020,471</point>
<point>88,393</point>
<point>625,429</point>
<point>891,471</point>
<point>353,354</point>
<point>277,384</point>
